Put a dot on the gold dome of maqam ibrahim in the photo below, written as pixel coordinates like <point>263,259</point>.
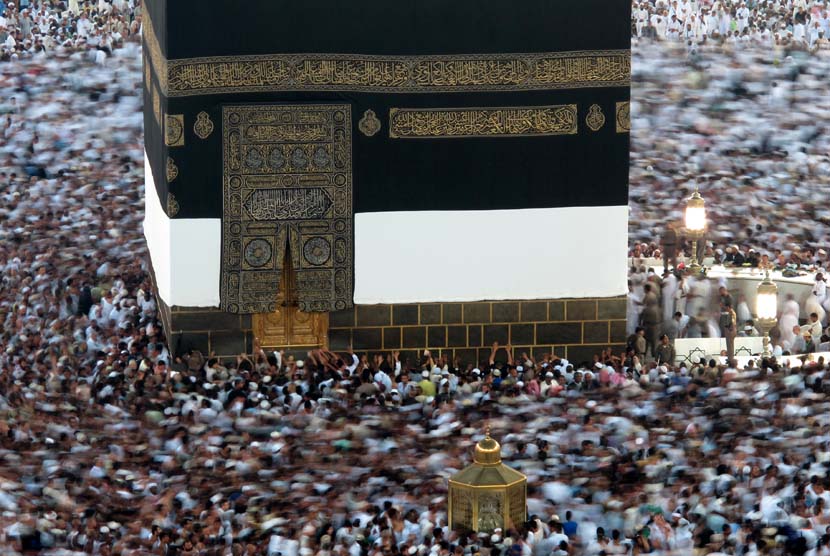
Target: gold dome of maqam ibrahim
<point>488,451</point>
<point>487,494</point>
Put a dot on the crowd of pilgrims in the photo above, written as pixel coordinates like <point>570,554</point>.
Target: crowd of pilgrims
<point>662,307</point>
<point>798,24</point>
<point>109,445</point>
<point>96,28</point>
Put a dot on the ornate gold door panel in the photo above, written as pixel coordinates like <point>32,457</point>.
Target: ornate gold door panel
<point>288,326</point>
<point>287,183</point>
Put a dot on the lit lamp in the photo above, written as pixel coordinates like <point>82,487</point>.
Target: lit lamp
<point>695,225</point>
<point>766,308</point>
<point>487,495</point>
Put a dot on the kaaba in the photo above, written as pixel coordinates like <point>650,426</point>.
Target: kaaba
<point>388,175</point>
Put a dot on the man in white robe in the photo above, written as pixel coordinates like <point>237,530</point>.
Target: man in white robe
<point>634,305</point>
<point>669,289</point>
<point>788,320</point>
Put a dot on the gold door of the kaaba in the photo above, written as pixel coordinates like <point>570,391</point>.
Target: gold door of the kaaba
<point>287,206</point>
<point>287,326</point>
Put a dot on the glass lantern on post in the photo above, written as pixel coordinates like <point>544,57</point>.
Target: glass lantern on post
<point>695,226</point>
<point>766,309</point>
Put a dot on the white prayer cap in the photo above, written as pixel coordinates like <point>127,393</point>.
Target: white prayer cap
<point>497,373</point>
<point>520,384</point>
<point>300,364</point>
<point>476,371</point>
<point>425,374</point>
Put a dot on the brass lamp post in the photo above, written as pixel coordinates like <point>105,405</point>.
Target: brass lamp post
<point>695,225</point>
<point>487,495</point>
<point>766,308</point>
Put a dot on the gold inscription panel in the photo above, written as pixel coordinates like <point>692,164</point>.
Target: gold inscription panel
<point>405,123</point>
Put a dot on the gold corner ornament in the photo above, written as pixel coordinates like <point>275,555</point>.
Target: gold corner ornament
<point>595,118</point>
<point>174,130</point>
<point>172,170</point>
<point>518,121</point>
<point>172,205</point>
<point>203,126</point>
<point>369,124</point>
<point>623,117</point>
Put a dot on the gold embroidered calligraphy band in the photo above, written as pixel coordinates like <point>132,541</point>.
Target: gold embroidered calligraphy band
<point>406,123</point>
<point>341,72</point>
<point>393,74</point>
<point>157,59</point>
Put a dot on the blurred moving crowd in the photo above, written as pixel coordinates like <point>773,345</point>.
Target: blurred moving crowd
<point>749,129</point>
<point>108,445</point>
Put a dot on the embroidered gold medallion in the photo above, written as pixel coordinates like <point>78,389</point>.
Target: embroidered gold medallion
<point>172,170</point>
<point>369,124</point>
<point>174,130</point>
<point>172,205</point>
<point>155,99</point>
<point>203,126</point>
<point>623,117</point>
<point>595,118</point>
